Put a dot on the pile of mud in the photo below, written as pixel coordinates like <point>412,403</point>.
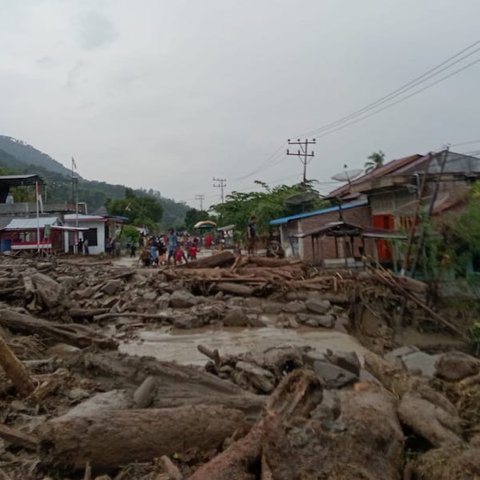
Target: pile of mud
<point>73,407</point>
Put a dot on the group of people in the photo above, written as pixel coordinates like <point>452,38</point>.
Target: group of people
<point>162,250</point>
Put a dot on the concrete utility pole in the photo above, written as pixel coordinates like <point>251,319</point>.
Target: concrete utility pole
<point>222,183</point>
<point>303,154</point>
<point>200,198</point>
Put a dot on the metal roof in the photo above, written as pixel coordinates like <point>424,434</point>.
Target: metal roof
<point>336,208</point>
<point>71,217</point>
<point>31,223</point>
<point>13,180</point>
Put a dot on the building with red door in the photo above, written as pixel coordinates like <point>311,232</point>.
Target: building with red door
<point>376,211</point>
<point>403,192</point>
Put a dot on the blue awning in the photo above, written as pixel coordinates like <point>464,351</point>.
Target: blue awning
<point>336,208</point>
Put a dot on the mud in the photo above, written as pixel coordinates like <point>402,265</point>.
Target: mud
<point>180,346</point>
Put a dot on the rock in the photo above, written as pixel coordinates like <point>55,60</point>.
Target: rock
<point>395,355</point>
<point>67,282</point>
<point>260,378</point>
<point>325,321</point>
<point>163,301</point>
<point>77,394</point>
<point>85,293</point>
<point>112,287</point>
<point>236,317</point>
<point>254,320</point>
<point>188,321</point>
<point>318,306</point>
<point>332,376</point>
<point>346,360</point>
<point>272,307</point>
<point>291,296</point>
<point>150,296</point>
<point>420,361</point>
<point>286,321</point>
<point>49,292</point>
<point>456,366</point>
<point>63,350</point>
<point>294,307</point>
<point>182,299</point>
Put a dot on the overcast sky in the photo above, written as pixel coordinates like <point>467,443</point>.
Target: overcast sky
<point>167,94</point>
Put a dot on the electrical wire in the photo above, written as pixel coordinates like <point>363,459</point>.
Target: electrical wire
<point>431,73</point>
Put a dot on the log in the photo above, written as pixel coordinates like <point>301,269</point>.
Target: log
<point>115,438</point>
<point>86,312</point>
<point>73,334</point>
<point>15,370</point>
<point>18,438</point>
<point>175,384</point>
<point>273,262</point>
<point>296,396</point>
<point>221,259</point>
<point>235,289</point>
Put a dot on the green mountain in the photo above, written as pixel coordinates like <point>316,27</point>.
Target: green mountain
<point>29,155</point>
<point>19,157</point>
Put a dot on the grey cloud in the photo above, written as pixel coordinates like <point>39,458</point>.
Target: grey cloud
<point>94,30</point>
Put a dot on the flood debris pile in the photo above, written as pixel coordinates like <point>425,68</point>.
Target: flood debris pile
<point>73,407</point>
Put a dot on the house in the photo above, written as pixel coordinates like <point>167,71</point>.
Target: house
<point>31,234</point>
<point>302,235</point>
<point>403,191</point>
<point>95,228</point>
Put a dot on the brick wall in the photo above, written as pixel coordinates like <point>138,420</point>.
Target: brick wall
<point>360,216</point>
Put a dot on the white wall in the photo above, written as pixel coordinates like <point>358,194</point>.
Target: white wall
<point>100,226</point>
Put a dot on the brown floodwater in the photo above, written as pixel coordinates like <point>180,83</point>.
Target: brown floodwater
<point>181,345</point>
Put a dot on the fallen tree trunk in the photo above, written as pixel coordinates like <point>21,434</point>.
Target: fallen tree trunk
<point>116,438</point>
<point>15,370</point>
<point>18,438</point>
<point>221,259</point>
<point>295,397</point>
<point>73,334</point>
<point>235,289</point>
<point>175,385</point>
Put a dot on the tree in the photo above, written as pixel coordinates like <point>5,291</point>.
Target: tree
<point>374,161</point>
<point>141,211</point>
<point>265,205</point>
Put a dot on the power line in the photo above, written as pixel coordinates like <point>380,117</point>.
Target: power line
<point>416,92</point>
<point>222,183</point>
<point>200,198</point>
<point>352,118</point>
<point>431,73</point>
<point>303,154</point>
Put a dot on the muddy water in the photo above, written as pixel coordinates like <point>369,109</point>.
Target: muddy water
<point>181,345</point>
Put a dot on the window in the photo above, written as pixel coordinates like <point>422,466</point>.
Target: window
<point>91,236</point>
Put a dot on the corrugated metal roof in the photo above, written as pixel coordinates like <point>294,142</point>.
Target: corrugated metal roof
<point>83,218</point>
<point>346,206</point>
<point>386,169</point>
<point>31,223</point>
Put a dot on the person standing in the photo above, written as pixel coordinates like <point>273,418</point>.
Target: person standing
<point>252,235</point>
<point>172,246</point>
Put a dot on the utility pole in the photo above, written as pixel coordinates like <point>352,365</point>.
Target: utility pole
<point>222,183</point>
<point>200,198</point>
<point>303,154</point>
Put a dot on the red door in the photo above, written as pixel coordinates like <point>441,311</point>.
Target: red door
<point>384,222</point>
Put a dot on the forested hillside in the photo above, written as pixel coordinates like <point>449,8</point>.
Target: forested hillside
<point>19,157</point>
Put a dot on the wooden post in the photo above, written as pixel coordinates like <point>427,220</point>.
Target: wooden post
<point>15,370</point>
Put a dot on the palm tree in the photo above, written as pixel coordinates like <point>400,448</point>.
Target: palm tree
<point>375,160</point>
